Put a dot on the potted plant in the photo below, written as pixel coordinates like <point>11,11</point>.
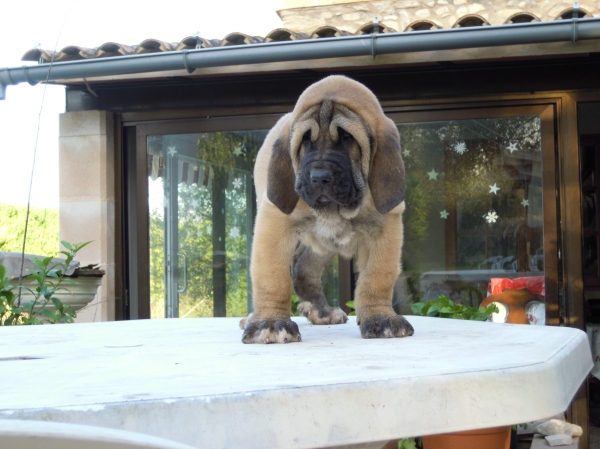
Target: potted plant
<point>493,438</point>
<point>38,297</point>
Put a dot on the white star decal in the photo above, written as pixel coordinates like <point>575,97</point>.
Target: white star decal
<point>239,149</point>
<point>433,175</point>
<point>494,189</point>
<point>194,204</point>
<point>512,147</point>
<point>172,151</point>
<point>460,147</point>
<point>525,202</point>
<point>234,232</point>
<point>237,183</point>
<point>444,214</point>
<point>491,217</point>
<point>406,153</point>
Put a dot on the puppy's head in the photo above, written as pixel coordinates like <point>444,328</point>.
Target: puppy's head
<point>339,146</point>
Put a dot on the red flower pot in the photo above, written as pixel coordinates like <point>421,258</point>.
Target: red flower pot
<point>494,438</point>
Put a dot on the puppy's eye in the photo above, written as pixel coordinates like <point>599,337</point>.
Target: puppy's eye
<point>306,137</point>
<point>344,135</point>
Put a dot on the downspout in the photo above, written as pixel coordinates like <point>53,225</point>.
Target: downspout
<point>339,47</point>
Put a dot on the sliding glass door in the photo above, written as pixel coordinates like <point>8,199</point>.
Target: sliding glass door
<point>202,208</point>
<point>480,210</point>
<point>480,205</point>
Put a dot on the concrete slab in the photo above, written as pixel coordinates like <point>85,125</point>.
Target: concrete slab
<point>193,381</point>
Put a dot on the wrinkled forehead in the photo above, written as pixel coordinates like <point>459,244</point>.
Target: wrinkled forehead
<point>323,120</point>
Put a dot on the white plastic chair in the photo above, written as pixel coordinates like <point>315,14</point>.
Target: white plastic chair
<point>17,434</point>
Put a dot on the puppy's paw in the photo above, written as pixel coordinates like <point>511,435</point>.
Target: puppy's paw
<point>244,320</point>
<point>385,326</point>
<point>325,315</point>
<point>270,331</point>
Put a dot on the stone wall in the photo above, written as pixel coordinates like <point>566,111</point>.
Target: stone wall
<point>308,15</point>
<point>87,199</point>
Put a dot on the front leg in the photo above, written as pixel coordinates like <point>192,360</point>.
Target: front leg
<point>272,251</point>
<point>379,265</point>
<point>306,273</point>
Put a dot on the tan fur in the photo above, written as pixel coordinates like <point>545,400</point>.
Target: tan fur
<point>374,238</point>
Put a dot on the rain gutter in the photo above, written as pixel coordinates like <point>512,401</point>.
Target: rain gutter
<point>339,47</point>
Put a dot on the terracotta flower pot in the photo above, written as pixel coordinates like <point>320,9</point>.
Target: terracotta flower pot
<point>494,438</point>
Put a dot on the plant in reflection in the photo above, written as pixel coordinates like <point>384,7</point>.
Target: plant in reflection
<point>214,217</point>
<point>473,202</point>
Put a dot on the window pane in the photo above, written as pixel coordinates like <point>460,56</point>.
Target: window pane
<point>473,207</point>
<point>202,208</point>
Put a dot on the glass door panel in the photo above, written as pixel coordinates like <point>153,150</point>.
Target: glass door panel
<point>202,207</point>
<point>474,210</point>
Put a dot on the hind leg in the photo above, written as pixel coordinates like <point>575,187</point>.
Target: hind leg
<point>306,274</point>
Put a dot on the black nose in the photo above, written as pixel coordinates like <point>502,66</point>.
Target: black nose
<point>320,177</point>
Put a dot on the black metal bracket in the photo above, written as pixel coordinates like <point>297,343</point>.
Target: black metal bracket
<point>186,63</point>
<point>575,22</point>
<point>27,76</point>
<point>374,36</point>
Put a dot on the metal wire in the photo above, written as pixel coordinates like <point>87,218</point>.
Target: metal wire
<point>37,137</point>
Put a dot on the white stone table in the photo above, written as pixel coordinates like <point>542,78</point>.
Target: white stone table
<point>193,381</point>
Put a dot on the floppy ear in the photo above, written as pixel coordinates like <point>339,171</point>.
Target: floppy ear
<point>386,175</point>
<point>281,178</point>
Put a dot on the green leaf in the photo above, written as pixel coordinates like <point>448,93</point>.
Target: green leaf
<point>37,276</point>
<point>49,313</point>
<point>58,304</point>
<point>417,308</point>
<point>407,443</point>
<point>350,304</point>
<point>66,245</point>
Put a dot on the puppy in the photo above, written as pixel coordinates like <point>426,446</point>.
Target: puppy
<point>329,180</point>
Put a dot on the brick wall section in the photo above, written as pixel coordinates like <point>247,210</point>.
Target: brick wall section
<point>87,199</point>
<point>399,14</point>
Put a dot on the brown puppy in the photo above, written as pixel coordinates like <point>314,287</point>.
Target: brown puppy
<point>329,180</point>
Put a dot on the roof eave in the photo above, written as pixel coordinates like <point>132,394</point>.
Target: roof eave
<point>374,46</point>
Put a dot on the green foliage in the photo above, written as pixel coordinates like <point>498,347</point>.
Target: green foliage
<point>351,306</point>
<point>42,232</point>
<point>409,443</point>
<point>443,307</point>
<point>48,280</point>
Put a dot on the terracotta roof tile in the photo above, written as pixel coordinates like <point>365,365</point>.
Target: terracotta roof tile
<point>239,39</point>
<point>114,49</point>
<point>278,35</point>
<point>154,46</point>
<point>368,28</point>
<point>283,34</point>
<point>328,31</point>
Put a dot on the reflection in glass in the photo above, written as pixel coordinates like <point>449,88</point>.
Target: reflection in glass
<point>202,208</point>
<point>473,207</point>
